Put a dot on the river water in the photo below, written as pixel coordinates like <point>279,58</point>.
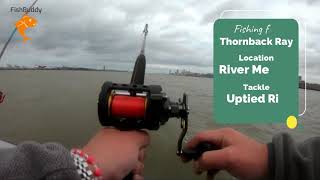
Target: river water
<point>60,106</point>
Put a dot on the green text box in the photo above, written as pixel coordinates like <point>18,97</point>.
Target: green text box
<point>280,58</point>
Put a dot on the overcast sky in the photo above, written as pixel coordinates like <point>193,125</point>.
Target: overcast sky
<point>95,33</point>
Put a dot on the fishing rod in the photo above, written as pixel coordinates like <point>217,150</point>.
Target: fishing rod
<point>14,31</point>
<point>137,106</point>
<point>140,65</point>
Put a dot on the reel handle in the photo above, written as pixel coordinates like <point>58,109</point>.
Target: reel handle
<point>189,154</point>
<point>129,176</point>
<point>198,151</point>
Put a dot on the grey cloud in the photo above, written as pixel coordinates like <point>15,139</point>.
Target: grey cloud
<point>97,33</point>
<point>215,12</point>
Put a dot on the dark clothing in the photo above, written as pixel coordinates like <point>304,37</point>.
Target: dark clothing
<point>33,161</point>
<point>291,161</point>
<point>287,161</point>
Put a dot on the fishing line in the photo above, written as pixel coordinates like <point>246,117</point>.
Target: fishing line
<point>14,31</point>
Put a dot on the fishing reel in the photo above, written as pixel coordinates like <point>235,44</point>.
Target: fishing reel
<point>134,106</point>
<point>137,106</point>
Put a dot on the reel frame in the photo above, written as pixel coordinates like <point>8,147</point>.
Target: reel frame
<point>158,108</point>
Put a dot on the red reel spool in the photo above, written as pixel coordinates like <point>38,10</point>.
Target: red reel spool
<point>128,106</point>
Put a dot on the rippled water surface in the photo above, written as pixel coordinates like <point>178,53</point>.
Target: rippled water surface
<point>60,106</point>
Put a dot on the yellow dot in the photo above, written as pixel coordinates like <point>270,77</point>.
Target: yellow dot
<point>292,122</point>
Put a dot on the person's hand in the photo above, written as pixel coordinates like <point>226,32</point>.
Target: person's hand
<point>118,153</point>
<point>241,156</point>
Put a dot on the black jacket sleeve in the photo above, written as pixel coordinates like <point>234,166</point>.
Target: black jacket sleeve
<point>291,161</point>
<point>35,161</point>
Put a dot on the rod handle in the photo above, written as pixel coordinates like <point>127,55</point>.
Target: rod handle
<point>196,152</point>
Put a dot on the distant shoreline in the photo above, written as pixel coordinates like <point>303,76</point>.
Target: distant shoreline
<point>309,86</point>
<point>194,75</point>
<point>61,69</point>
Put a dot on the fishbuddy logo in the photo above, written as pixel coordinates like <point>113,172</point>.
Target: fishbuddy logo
<point>23,24</point>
